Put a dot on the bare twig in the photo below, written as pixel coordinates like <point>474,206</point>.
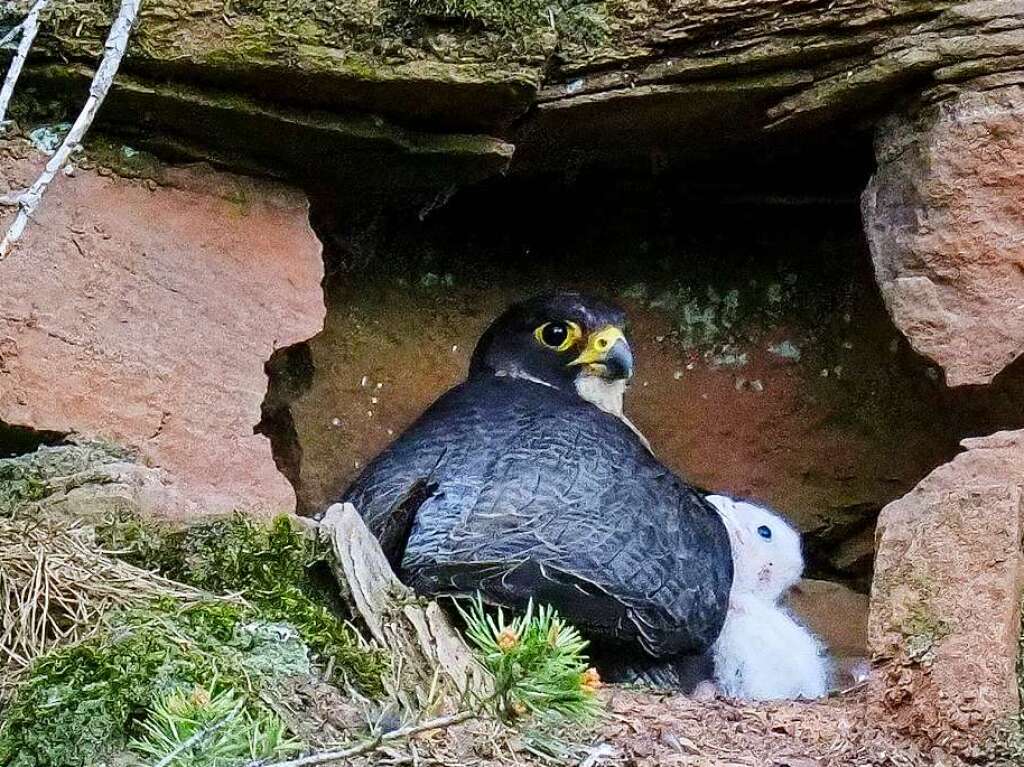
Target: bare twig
<point>28,29</point>
<point>114,48</point>
<point>372,745</point>
<point>12,33</point>
<point>200,736</point>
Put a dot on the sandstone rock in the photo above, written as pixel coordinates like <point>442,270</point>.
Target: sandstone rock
<point>945,603</point>
<point>945,223</point>
<point>146,316</point>
<point>838,615</point>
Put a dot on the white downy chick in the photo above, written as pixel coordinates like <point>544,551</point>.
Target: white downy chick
<point>762,652</point>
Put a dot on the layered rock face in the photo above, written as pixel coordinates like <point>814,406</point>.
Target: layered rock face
<point>945,616</point>
<point>944,216</point>
<point>144,314</point>
<point>389,93</point>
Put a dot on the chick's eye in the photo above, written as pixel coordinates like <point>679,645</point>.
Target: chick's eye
<point>765,532</point>
<point>558,335</point>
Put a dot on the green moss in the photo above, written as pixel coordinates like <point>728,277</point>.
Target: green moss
<point>80,703</point>
<point>578,21</point>
<point>274,567</point>
<point>19,484</point>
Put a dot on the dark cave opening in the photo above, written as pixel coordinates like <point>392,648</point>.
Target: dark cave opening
<point>767,365</point>
<point>18,440</point>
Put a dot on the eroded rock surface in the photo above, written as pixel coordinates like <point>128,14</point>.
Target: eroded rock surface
<point>87,482</point>
<point>944,216</point>
<point>144,314</point>
<point>945,603</point>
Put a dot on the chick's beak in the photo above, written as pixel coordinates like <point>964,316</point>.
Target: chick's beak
<point>607,354</point>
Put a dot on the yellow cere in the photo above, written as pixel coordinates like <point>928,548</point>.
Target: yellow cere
<point>598,345</point>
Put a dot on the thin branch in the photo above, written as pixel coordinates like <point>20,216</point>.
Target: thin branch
<point>372,745</point>
<point>114,48</point>
<point>12,33</point>
<point>28,29</point>
<point>200,736</point>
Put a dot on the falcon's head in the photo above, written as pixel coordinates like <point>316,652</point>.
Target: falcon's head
<point>567,340</point>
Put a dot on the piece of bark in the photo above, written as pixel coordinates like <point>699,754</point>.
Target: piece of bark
<point>431,653</point>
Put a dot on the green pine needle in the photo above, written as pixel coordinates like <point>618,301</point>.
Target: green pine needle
<point>537,661</point>
<point>208,728</point>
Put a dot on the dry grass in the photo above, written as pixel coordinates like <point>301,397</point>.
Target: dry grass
<point>57,585</point>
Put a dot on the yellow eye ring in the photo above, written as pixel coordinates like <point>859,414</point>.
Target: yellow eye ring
<point>558,335</point>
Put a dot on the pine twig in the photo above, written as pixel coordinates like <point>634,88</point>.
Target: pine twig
<point>200,736</point>
<point>114,48</point>
<point>27,29</point>
<point>372,745</point>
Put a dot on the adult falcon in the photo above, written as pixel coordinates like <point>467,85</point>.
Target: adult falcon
<point>526,481</point>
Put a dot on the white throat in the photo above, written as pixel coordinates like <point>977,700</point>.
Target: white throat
<point>608,396</point>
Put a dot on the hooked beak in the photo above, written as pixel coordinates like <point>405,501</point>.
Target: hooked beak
<point>607,355</point>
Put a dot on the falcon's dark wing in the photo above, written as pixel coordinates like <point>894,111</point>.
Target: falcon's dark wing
<point>537,493</point>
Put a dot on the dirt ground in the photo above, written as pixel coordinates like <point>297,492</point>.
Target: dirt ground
<point>644,729</point>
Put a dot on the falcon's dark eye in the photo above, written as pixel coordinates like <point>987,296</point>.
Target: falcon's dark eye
<point>554,334</point>
<point>558,335</point>
<point>765,532</point>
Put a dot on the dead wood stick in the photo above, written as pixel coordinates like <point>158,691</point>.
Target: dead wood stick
<point>27,29</point>
<point>372,745</point>
<point>113,52</point>
<point>417,631</point>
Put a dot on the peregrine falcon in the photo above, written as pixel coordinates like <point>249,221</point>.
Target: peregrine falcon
<point>524,481</point>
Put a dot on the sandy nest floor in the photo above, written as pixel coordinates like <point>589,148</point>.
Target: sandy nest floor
<point>649,729</point>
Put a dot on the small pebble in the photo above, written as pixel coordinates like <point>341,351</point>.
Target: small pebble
<point>335,422</point>
<point>369,414</point>
<point>391,432</point>
<point>69,171</point>
<point>659,339</point>
<point>690,366</point>
<point>373,400</point>
<point>756,385</point>
<point>824,373</point>
<point>380,385</point>
<point>363,382</point>
<point>740,383</point>
<point>678,374</point>
<point>455,348</point>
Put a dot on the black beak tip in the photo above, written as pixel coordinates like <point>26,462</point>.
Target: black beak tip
<point>619,361</point>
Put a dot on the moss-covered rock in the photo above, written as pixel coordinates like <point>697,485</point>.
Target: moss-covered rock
<point>276,568</point>
<point>80,704</point>
<point>29,478</point>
